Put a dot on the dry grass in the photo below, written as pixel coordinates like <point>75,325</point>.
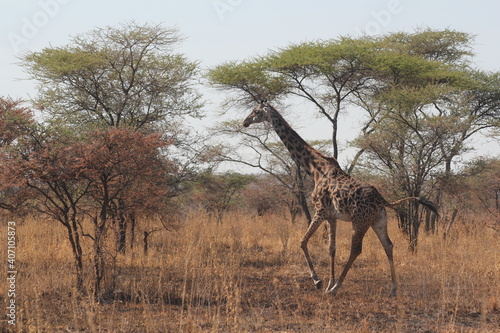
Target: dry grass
<point>249,275</point>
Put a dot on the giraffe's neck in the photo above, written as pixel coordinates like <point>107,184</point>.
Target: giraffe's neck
<point>306,156</point>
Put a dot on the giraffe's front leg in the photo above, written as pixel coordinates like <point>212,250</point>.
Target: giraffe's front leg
<point>314,275</point>
<point>316,222</point>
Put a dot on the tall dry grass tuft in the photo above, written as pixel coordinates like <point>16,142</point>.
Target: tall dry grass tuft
<point>248,274</point>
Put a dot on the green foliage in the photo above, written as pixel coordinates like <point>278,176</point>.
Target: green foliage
<point>116,76</point>
<point>331,60</point>
<point>286,71</point>
<point>447,46</point>
<point>63,63</point>
<point>250,80</point>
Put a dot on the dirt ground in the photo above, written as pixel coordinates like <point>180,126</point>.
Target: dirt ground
<point>250,276</point>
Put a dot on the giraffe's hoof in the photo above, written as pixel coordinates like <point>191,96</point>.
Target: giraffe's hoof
<point>319,284</point>
<point>332,288</point>
<point>332,291</point>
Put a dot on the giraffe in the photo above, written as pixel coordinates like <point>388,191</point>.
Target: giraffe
<point>336,195</point>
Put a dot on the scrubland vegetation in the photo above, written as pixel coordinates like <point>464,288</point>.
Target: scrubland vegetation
<point>119,218</point>
<point>248,274</point>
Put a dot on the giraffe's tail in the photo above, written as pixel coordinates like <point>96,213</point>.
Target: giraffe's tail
<point>430,205</point>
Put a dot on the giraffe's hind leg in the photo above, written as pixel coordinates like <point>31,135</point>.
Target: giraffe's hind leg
<point>315,223</point>
<point>332,228</point>
<point>380,228</point>
<point>356,248</point>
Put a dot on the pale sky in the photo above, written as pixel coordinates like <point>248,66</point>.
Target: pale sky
<point>221,30</point>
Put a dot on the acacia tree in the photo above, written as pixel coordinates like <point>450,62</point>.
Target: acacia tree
<point>127,76</point>
<point>68,177</point>
<point>325,73</point>
<point>470,109</point>
<point>338,73</point>
<point>41,167</point>
<point>429,103</point>
<point>402,137</point>
<point>329,74</point>
<point>119,162</point>
<point>406,152</point>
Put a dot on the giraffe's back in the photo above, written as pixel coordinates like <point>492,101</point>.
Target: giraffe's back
<point>343,197</point>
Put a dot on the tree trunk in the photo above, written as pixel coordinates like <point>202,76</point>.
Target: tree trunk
<point>448,225</point>
<point>414,225</point>
<point>335,126</point>
<point>76,248</point>
<point>98,262</point>
<point>355,161</point>
<point>99,237</point>
<point>334,140</point>
<point>409,223</point>
<point>131,217</point>
<point>497,198</point>
<point>403,221</point>
<point>121,228</point>
<point>431,218</point>
<point>294,210</point>
<point>305,207</point>
<point>145,239</point>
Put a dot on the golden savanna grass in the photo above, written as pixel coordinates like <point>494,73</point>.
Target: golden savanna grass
<point>248,274</point>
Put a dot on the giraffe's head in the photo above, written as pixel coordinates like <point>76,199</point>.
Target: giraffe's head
<point>259,114</point>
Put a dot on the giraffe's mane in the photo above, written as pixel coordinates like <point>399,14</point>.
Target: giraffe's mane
<point>330,159</point>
